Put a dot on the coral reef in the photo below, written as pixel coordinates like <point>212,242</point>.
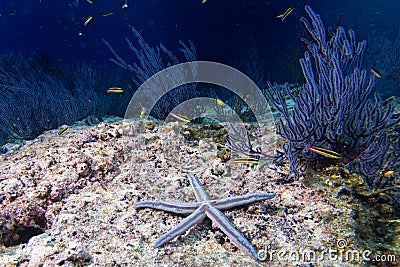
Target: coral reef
<point>337,110</point>
<point>68,199</point>
<point>84,191</point>
<point>22,217</point>
<point>152,60</point>
<point>39,94</point>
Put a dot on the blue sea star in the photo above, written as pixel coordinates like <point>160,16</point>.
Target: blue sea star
<point>205,207</point>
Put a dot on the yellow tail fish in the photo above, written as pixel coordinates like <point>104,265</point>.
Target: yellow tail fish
<point>63,130</point>
<point>220,102</point>
<point>180,117</point>
<point>324,152</point>
<point>284,15</point>
<point>115,90</point>
<point>246,160</point>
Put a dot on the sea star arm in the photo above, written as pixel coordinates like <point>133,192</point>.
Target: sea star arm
<point>206,207</point>
<point>232,202</point>
<point>199,191</point>
<point>194,218</point>
<point>220,219</point>
<point>178,208</point>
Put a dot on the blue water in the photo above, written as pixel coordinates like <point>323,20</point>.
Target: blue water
<point>216,27</point>
<point>221,30</point>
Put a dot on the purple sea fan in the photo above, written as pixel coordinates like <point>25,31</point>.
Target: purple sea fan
<point>336,108</point>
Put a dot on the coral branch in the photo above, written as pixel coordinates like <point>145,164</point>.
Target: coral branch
<point>336,108</point>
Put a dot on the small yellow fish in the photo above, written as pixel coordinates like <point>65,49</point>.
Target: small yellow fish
<point>125,5</point>
<point>142,111</point>
<point>106,14</point>
<point>115,90</point>
<point>63,130</point>
<point>220,145</point>
<point>246,160</point>
<point>87,20</point>
<point>90,2</point>
<point>388,173</point>
<point>324,152</point>
<point>180,117</point>
<point>203,1</point>
<point>284,15</point>
<point>220,102</point>
<point>376,72</point>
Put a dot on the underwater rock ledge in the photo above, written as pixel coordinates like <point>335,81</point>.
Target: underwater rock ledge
<point>77,191</point>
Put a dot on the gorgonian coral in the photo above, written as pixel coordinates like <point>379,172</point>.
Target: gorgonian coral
<point>336,108</point>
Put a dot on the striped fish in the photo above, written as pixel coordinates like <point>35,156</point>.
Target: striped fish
<point>324,152</point>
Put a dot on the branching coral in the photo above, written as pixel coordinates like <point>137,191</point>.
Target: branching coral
<point>151,60</point>
<point>37,94</point>
<point>336,108</point>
